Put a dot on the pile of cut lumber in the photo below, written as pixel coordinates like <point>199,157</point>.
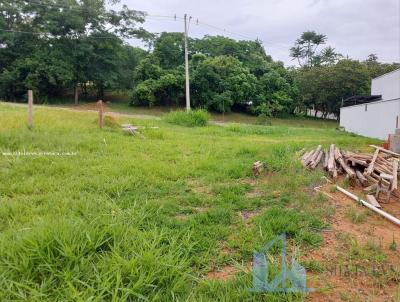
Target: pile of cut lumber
<point>365,167</point>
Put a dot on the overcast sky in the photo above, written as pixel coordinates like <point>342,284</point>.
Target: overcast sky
<point>353,27</point>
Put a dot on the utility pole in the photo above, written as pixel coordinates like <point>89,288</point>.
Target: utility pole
<point>187,65</point>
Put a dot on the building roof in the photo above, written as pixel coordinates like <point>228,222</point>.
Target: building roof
<point>361,99</point>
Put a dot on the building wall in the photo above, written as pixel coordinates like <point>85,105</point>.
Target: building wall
<point>388,85</point>
<point>377,119</point>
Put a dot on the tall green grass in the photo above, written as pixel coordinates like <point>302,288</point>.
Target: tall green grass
<point>192,118</point>
<point>144,218</point>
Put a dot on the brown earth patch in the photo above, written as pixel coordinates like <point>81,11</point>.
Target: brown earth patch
<point>248,215</point>
<point>228,271</point>
<point>89,106</point>
<point>199,188</point>
<point>223,274</point>
<point>188,215</point>
<point>336,285</point>
<point>183,216</point>
<point>254,194</point>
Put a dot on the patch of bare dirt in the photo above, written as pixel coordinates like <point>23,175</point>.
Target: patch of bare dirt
<point>336,285</point>
<point>223,274</point>
<point>254,194</point>
<point>202,190</point>
<point>228,271</point>
<point>93,107</point>
<point>199,188</point>
<point>200,209</point>
<point>188,215</point>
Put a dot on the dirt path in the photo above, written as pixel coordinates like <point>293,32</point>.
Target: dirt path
<point>91,107</point>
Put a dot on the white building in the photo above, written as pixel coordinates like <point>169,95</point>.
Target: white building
<point>380,118</point>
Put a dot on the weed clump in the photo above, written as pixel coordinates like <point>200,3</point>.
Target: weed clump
<point>193,118</point>
<point>263,119</point>
<point>108,122</point>
<point>111,122</point>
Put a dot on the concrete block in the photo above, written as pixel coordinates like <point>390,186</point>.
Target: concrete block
<point>394,143</point>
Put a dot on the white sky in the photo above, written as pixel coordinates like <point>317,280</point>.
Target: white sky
<point>354,27</point>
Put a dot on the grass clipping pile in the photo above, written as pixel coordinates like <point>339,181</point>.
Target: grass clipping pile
<point>376,172</point>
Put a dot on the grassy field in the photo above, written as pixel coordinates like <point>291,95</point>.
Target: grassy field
<point>231,117</point>
<point>150,217</point>
<point>121,105</point>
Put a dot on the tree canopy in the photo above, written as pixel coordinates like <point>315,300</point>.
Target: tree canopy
<point>305,50</point>
<point>54,46</point>
<point>225,74</point>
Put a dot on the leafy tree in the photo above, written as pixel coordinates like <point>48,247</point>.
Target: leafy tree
<point>148,68</point>
<point>324,87</point>
<point>225,75</point>
<point>144,93</point>
<point>306,46</point>
<point>376,69</point>
<point>169,49</point>
<point>129,59</point>
<point>221,82</point>
<point>306,54</point>
<point>327,56</point>
<point>275,95</point>
<point>160,88</point>
<point>250,53</point>
<point>81,39</point>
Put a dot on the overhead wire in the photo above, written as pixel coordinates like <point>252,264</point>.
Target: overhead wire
<point>145,15</point>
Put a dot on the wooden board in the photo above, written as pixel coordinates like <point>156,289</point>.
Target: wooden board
<point>372,200</point>
<point>361,178</point>
<point>385,150</point>
<point>395,167</point>
<point>331,159</point>
<point>372,163</point>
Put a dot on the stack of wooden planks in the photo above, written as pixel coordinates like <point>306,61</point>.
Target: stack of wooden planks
<point>379,166</point>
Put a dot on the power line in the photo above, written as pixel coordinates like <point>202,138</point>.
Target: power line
<point>85,9</point>
<point>224,30</point>
<point>145,15</point>
<point>51,35</point>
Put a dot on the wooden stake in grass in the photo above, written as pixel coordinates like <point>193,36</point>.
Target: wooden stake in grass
<point>101,114</point>
<point>30,108</point>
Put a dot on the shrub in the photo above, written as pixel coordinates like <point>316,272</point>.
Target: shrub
<point>193,118</point>
<point>263,119</point>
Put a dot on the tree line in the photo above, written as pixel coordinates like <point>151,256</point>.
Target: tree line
<point>55,46</point>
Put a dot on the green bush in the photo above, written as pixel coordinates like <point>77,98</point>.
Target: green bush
<point>263,119</point>
<point>193,118</point>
